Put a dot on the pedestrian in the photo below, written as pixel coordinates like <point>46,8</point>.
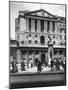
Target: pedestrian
<point>22,66</point>
<point>62,64</point>
<point>57,64</point>
<point>52,64</point>
<point>39,67</point>
<point>11,60</point>
<point>13,66</point>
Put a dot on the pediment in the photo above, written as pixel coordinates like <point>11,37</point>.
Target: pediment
<point>41,12</point>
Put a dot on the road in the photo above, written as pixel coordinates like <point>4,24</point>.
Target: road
<point>37,79</point>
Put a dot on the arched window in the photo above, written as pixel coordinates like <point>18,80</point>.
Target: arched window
<point>42,40</point>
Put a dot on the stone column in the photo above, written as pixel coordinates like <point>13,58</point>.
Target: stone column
<point>45,26</point>
<point>18,56</point>
<point>32,25</point>
<point>46,57</point>
<point>52,52</point>
<point>49,56</point>
<point>51,26</point>
<point>33,57</point>
<point>38,25</point>
<point>27,24</point>
<point>40,55</point>
<point>27,59</point>
<point>56,27</point>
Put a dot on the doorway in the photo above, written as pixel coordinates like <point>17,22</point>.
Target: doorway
<point>42,40</point>
<point>43,58</point>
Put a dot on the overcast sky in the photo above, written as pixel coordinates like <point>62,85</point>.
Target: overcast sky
<point>15,7</point>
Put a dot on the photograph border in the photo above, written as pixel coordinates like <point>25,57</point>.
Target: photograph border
<point>36,84</point>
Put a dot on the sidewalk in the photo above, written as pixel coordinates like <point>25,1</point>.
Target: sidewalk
<point>34,70</point>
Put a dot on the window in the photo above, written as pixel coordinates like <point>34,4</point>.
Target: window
<point>22,42</point>
<point>29,41</point>
<point>30,51</point>
<point>60,30</point>
<point>29,35</point>
<point>36,41</point>
<point>48,25</point>
<point>42,25</point>
<point>53,42</point>
<point>53,36</point>
<point>30,24</point>
<point>35,35</point>
<point>36,61</point>
<point>42,40</point>
<point>49,38</point>
<point>35,25</point>
<point>60,37</point>
<point>60,43</point>
<point>36,52</point>
<point>53,26</point>
<point>64,37</point>
<point>23,52</point>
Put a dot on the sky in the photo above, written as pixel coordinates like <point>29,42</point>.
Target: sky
<point>15,7</point>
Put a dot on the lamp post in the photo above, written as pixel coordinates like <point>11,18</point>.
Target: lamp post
<point>50,52</point>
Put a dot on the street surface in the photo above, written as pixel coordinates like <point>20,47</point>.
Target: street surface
<point>31,79</point>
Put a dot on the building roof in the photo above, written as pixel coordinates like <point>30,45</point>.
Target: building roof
<point>41,10</point>
<point>42,14</point>
<point>37,14</point>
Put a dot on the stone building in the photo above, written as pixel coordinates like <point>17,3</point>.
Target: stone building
<point>39,35</point>
<point>13,49</point>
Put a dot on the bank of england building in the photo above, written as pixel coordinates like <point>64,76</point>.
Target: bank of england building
<point>40,35</point>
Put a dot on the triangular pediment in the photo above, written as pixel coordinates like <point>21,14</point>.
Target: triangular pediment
<point>41,12</point>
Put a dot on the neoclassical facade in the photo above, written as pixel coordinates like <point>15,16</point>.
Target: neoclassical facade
<point>39,35</point>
